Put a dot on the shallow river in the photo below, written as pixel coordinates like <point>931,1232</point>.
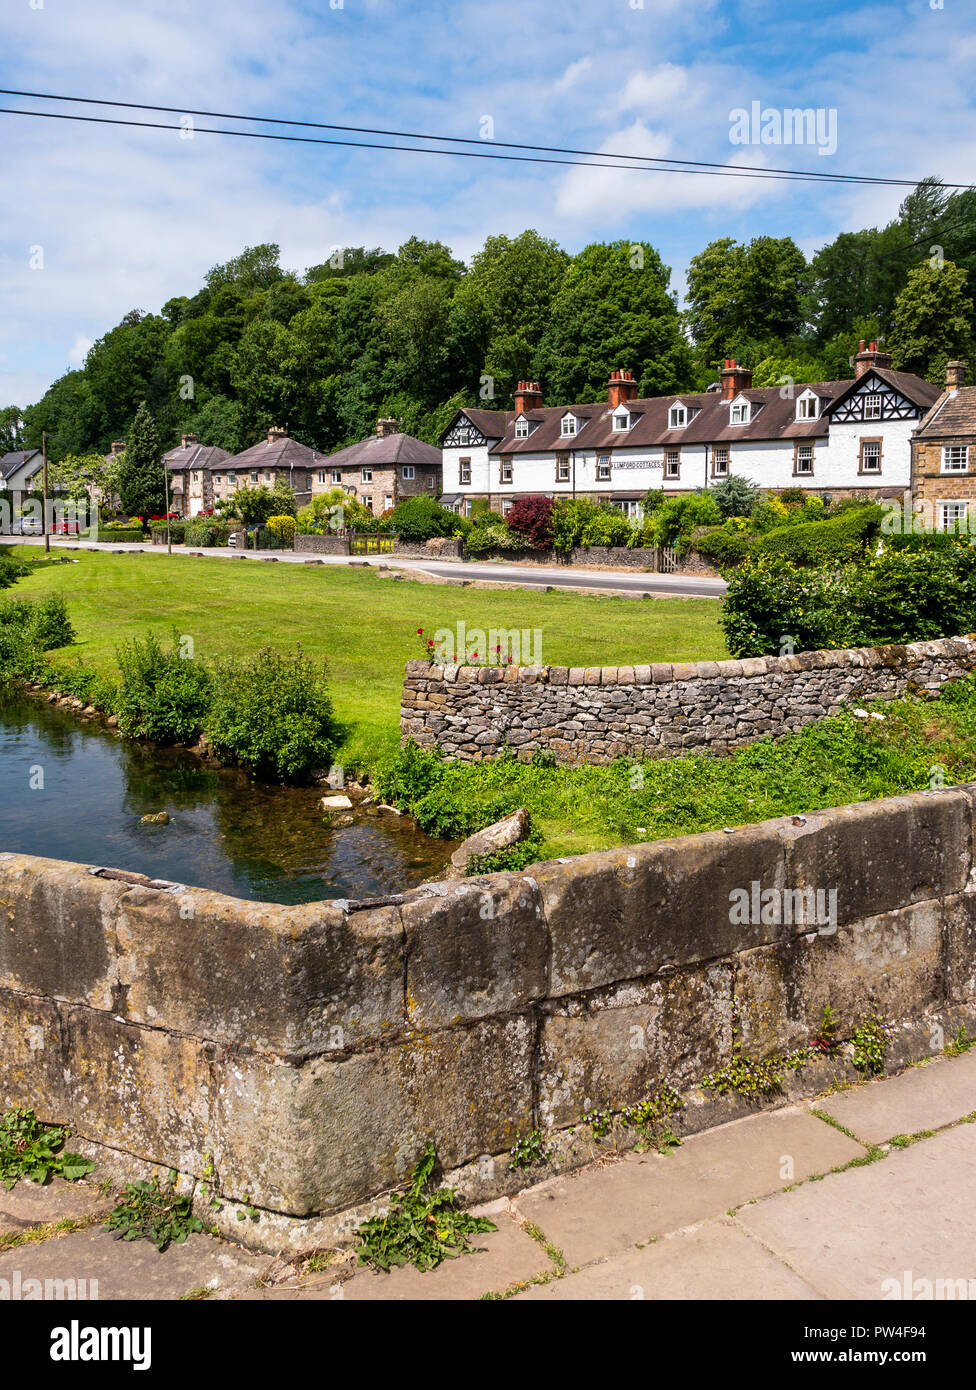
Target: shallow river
<point>77,792</point>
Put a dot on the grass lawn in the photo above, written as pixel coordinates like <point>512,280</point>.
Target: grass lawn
<point>362,625</point>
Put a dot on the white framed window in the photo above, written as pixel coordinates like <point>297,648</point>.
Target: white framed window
<point>232,477</point>
<point>267,477</point>
<point>804,458</point>
<point>218,478</point>
<point>677,417</point>
<point>254,477</point>
<point>387,501</point>
<point>672,463</point>
<point>720,460</point>
<point>872,407</point>
<point>464,471</point>
<point>408,472</point>
<point>432,481</point>
<point>955,458</point>
<point>321,475</point>
<point>870,455</point>
<point>505,475</point>
<point>367,475</point>
<point>567,426</point>
<point>467,507</point>
<point>621,420</point>
<point>562,470</point>
<point>521,429</point>
<point>953,515</point>
<point>337,475</point>
<point>603,468</point>
<point>807,408</point>
<point>507,507</point>
<point>739,414</point>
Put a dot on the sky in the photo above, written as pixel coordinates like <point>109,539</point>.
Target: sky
<point>98,220</point>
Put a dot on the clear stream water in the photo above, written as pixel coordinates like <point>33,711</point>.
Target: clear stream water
<point>227,832</point>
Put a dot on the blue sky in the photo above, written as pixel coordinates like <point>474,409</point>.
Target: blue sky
<point>126,219</point>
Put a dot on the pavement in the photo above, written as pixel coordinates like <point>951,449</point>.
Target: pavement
<point>864,1193</point>
<point>628,582</point>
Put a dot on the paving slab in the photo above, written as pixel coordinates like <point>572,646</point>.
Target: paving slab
<point>610,1207</point>
<point>509,1256</point>
<point>927,1097</point>
<point>713,1261</point>
<point>133,1268</point>
<point>909,1216</point>
<point>35,1204</point>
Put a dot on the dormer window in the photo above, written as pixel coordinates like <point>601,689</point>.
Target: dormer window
<point>569,426</point>
<point>521,428</point>
<point>808,407</point>
<point>677,417</point>
<point>621,420</point>
<point>739,413</point>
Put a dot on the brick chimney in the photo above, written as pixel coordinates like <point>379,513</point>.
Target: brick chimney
<point>734,379</point>
<point>955,375</point>
<point>386,425</point>
<point>868,357</point>
<point>187,439</point>
<point>275,433</point>
<point>528,395</point>
<point>117,447</point>
<point>622,388</point>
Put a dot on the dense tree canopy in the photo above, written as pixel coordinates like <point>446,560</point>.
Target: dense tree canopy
<point>416,335</point>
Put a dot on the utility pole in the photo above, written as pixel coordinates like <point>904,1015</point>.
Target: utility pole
<point>47,538</point>
<point>169,538</point>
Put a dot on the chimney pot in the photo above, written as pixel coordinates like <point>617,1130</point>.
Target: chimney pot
<point>386,425</point>
<point>187,439</point>
<point>276,432</point>
<point>734,379</point>
<point>117,446</point>
<point>868,357</point>
<point>528,397</point>
<point>622,387</point>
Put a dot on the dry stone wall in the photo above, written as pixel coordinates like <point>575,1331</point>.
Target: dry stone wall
<point>595,714</point>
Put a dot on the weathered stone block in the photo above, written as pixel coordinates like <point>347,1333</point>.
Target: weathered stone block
<point>476,949</point>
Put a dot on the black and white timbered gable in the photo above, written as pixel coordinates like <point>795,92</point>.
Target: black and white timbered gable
<point>463,434</point>
<point>872,398</point>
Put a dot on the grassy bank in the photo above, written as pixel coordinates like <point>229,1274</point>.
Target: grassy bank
<point>838,761</point>
<point>364,626</point>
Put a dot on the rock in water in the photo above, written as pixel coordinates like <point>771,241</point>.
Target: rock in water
<point>336,803</point>
<point>159,818</point>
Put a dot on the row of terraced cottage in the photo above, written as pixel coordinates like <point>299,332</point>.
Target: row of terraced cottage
<point>882,434</point>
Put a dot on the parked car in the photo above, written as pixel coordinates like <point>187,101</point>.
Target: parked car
<point>25,526</point>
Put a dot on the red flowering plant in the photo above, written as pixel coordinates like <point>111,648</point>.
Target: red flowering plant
<point>426,644</point>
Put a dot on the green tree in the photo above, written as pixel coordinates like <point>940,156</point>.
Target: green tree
<point>142,486</point>
<point>77,473</point>
<point>933,317</point>
<point>11,423</point>
<point>738,294</point>
<point>613,309</point>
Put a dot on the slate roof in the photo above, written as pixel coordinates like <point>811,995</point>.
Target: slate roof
<point>10,463</point>
<point>195,456</point>
<point>773,417</point>
<point>381,450</point>
<point>278,453</point>
<point>953,413</point>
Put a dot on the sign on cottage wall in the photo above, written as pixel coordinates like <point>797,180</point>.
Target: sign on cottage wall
<point>637,463</point>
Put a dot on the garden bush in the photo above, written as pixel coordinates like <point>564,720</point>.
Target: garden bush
<point>177,531</point>
<point>420,519</point>
<point>272,713</point>
<point>11,570</point>
<point>282,529</point>
<point>121,535</point>
<point>735,496</point>
<point>530,520</point>
<point>897,596</point>
<point>490,532</point>
<point>841,538</point>
<point>162,695</point>
<point>206,531</point>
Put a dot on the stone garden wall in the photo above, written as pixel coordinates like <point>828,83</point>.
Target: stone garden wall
<point>595,714</point>
<point>309,1052</point>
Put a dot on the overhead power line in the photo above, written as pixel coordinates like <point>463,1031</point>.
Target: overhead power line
<point>541,153</point>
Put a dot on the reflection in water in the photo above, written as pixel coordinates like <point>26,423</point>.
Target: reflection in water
<point>227,832</point>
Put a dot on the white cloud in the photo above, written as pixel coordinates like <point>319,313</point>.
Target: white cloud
<point>573,73</point>
<point>656,89</point>
<point>79,349</point>
<point>594,194</point>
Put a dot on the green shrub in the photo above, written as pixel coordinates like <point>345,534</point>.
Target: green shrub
<point>205,531</point>
<point>607,526</point>
<point>121,534</point>
<point>11,570</point>
<point>28,629</point>
<point>282,528</point>
<point>769,599</point>
<point>723,546</point>
<point>680,516</point>
<point>841,538</point>
<point>50,625</point>
<point>490,533</point>
<point>420,518</point>
<point>177,530</point>
<point>735,496</point>
<point>272,713</point>
<point>162,695</point>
